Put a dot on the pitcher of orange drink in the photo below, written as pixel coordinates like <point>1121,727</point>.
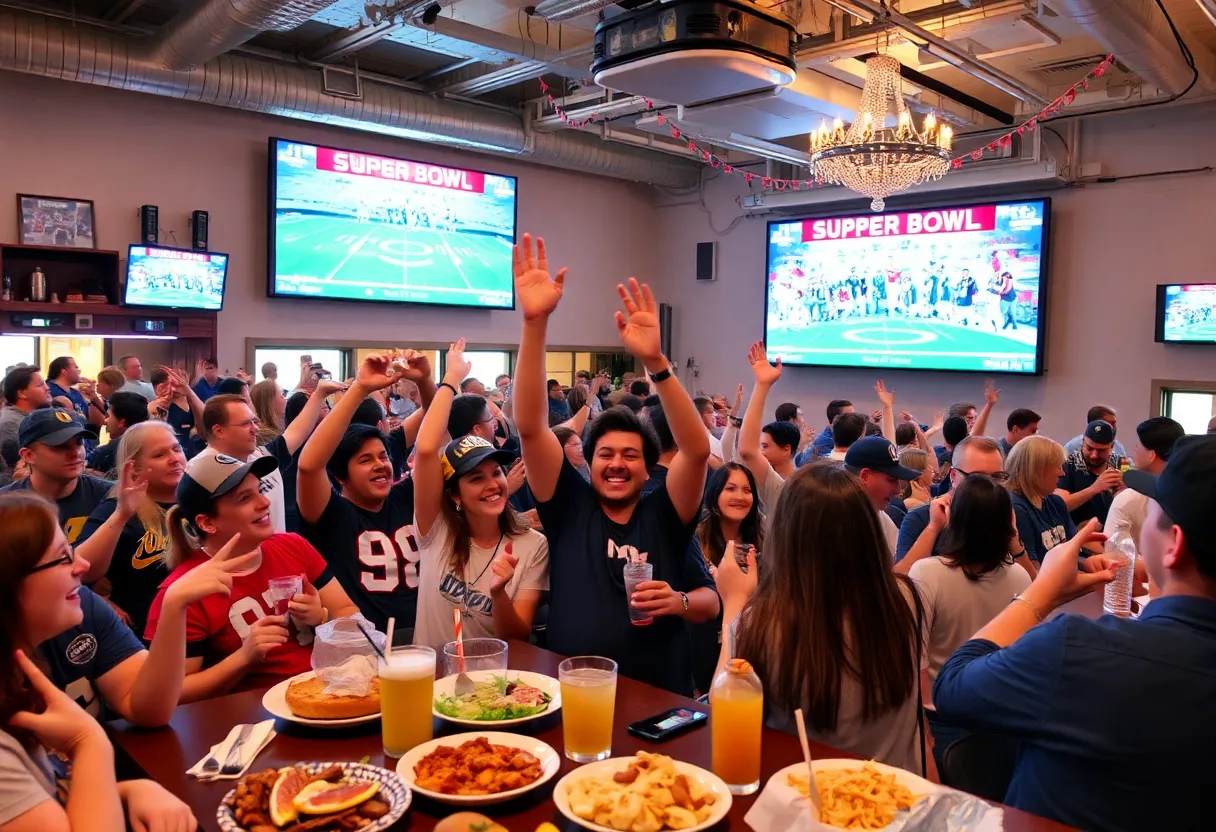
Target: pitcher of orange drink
<point>736,720</point>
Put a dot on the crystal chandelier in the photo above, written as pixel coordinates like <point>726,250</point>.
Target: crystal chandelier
<point>873,159</point>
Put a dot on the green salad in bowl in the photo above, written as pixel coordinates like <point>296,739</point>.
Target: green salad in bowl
<point>496,698</point>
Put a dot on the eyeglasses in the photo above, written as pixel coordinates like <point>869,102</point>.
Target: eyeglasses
<point>68,558</point>
<point>999,476</point>
<point>245,424</point>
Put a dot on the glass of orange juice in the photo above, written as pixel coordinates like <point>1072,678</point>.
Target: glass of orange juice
<point>588,701</point>
<point>736,721</point>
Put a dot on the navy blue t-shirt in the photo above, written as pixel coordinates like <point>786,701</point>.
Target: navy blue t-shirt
<point>138,567</point>
<point>71,394</point>
<point>78,656</point>
<point>914,524</point>
<point>104,457</point>
<point>75,508</point>
<point>1077,477</point>
<point>182,422</point>
<point>373,555</point>
<point>1042,528</point>
<point>588,613</point>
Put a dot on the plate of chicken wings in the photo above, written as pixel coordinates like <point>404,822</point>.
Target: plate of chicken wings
<point>478,769</point>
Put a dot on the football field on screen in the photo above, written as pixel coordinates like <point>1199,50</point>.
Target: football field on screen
<point>912,343</point>
<point>340,257</point>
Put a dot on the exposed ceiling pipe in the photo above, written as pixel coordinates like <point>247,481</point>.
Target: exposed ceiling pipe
<point>557,10</point>
<point>950,53</point>
<point>1208,7</point>
<point>1138,34</point>
<point>38,45</point>
<point>206,29</point>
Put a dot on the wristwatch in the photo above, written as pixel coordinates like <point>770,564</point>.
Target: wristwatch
<point>684,598</point>
<point>661,375</point>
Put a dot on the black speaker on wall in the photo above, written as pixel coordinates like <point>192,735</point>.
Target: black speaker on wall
<point>707,261</point>
<point>149,225</point>
<point>665,329</point>
<point>198,222</point>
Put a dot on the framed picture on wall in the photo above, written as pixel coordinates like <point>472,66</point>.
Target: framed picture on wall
<point>56,221</point>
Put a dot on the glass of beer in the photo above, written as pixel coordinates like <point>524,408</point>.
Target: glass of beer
<point>407,689</point>
<point>588,701</point>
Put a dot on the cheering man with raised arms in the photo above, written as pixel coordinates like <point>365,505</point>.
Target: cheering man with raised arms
<point>595,528</point>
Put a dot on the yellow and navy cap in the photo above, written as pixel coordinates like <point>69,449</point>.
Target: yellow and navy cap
<point>50,426</point>
<point>466,453</point>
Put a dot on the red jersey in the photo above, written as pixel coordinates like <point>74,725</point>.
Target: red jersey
<point>216,626</point>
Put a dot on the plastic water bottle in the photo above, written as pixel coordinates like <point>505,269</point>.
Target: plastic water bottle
<point>1117,595</point>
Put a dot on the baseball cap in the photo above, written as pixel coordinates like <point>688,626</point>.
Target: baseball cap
<point>466,453</point>
<point>1100,432</point>
<point>877,454</point>
<point>1186,489</point>
<point>211,475</point>
<point>48,425</point>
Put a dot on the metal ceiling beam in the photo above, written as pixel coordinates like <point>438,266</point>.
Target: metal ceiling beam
<point>352,40</point>
<point>121,10</point>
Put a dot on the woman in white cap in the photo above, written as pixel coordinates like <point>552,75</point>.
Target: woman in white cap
<point>477,555</point>
<point>236,641</point>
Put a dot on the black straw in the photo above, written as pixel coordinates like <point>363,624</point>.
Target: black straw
<point>372,642</point>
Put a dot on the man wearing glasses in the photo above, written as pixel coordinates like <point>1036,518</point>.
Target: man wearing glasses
<point>972,455</point>
<point>231,428</point>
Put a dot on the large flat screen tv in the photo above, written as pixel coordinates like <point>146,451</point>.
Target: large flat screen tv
<point>1186,313</point>
<point>346,225</point>
<point>178,278</point>
<point>952,288</point>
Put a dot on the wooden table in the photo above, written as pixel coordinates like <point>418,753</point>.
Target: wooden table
<point>164,754</point>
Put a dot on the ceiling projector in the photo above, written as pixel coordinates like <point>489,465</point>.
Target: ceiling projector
<point>694,51</point>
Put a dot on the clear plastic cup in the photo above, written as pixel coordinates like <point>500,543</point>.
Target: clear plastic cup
<point>588,704</point>
<point>479,654</point>
<point>282,590</point>
<point>637,573</point>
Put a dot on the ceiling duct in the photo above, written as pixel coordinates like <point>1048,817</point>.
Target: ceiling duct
<point>1138,34</point>
<point>558,10</point>
<point>206,29</point>
<point>54,48</point>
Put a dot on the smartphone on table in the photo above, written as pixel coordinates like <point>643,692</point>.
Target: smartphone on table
<point>668,724</point>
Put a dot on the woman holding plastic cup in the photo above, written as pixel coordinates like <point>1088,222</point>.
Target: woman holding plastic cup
<point>476,554</point>
<point>234,641</point>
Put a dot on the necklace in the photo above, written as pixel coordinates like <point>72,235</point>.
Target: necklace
<point>469,586</point>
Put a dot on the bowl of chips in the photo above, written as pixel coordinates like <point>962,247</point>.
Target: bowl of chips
<point>646,793</point>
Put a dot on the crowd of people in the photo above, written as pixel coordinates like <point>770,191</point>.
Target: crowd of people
<point>895,590</point>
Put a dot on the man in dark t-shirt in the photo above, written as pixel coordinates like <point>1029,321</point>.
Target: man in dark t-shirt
<point>1091,475</point>
<point>52,445</point>
<point>595,528</point>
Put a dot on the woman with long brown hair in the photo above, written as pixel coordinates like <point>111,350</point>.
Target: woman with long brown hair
<point>41,597</point>
<point>476,553</point>
<point>827,625</point>
<point>269,404</point>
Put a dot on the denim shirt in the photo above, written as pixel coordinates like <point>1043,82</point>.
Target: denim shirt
<point>1115,716</point>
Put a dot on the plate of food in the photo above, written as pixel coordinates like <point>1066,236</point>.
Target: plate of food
<point>856,794</point>
<point>319,797</point>
<point>646,793</point>
<point>500,698</point>
<point>478,769</point>
<point>303,699</point>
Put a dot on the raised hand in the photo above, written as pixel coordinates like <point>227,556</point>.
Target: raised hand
<point>885,397</point>
<point>503,569</point>
<point>214,577</point>
<point>734,411</point>
<point>377,372</point>
<point>638,325</point>
<point>244,376</point>
<point>939,512</point>
<point>517,475</point>
<point>200,367</point>
<point>939,419</point>
<point>734,585</point>
<point>764,372</point>
<point>132,489</point>
<point>991,393</point>
<point>906,416</point>
<point>62,725</point>
<point>458,367</point>
<point>538,294</point>
<point>327,386</point>
<point>417,366</point>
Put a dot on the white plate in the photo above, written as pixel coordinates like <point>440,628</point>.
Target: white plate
<point>780,781</point>
<point>710,782</point>
<point>392,791</point>
<point>275,701</point>
<point>549,760</point>
<point>546,684</point>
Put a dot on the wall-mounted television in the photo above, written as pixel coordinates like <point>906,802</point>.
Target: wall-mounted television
<point>1186,313</point>
<point>346,225</point>
<point>179,278</point>
<point>945,288</point>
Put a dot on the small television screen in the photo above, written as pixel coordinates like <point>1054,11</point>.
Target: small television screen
<point>346,225</point>
<point>180,278</point>
<point>1186,313</point>
<point>958,288</point>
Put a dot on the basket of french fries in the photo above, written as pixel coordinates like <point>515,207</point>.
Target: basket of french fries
<point>646,793</point>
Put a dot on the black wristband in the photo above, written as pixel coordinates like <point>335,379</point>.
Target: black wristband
<point>662,375</point>
<point>455,392</point>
